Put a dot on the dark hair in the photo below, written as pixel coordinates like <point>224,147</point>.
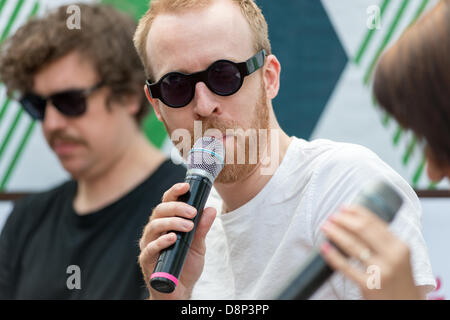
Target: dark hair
<point>105,38</point>
<point>412,80</point>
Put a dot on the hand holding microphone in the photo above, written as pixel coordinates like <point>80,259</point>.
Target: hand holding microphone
<point>385,271</point>
<point>173,242</point>
<point>360,232</point>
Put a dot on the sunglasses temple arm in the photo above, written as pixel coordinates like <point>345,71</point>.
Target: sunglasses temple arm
<point>255,62</point>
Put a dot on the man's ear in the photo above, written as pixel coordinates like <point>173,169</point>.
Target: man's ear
<point>130,102</point>
<point>153,103</point>
<point>271,75</point>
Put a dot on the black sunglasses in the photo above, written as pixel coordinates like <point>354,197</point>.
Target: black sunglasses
<point>223,77</point>
<point>71,103</point>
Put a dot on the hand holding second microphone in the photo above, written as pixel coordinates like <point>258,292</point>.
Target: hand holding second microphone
<point>363,236</point>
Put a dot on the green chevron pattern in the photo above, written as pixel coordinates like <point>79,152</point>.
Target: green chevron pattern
<point>13,20</point>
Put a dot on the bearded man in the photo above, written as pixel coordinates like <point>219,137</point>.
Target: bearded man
<point>211,61</point>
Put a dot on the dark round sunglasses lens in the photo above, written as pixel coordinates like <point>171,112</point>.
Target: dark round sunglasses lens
<point>176,90</point>
<point>34,105</point>
<point>70,103</point>
<point>224,78</point>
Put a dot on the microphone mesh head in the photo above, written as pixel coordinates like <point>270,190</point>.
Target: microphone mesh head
<point>207,155</point>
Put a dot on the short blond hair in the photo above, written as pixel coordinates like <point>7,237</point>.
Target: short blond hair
<point>252,13</point>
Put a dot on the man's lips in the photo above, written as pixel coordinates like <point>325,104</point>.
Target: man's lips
<point>65,148</point>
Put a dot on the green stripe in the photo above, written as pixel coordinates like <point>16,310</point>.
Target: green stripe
<point>369,35</point>
<point>4,108</point>
<point>418,173</point>
<point>10,132</point>
<point>386,119</point>
<point>34,10</point>
<point>6,104</point>
<point>2,4</point>
<point>433,185</point>
<point>386,39</point>
<point>409,151</point>
<point>17,154</point>
<point>11,20</point>
<point>419,11</point>
<point>397,135</point>
<point>374,100</point>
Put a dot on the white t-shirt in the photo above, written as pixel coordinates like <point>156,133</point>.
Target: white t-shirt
<point>254,251</point>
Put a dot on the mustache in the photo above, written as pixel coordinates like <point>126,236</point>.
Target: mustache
<point>62,136</point>
<point>222,125</point>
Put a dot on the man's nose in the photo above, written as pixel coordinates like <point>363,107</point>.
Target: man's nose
<point>205,102</point>
<point>53,119</point>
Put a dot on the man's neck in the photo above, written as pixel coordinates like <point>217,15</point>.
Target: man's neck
<point>237,194</point>
<point>135,164</point>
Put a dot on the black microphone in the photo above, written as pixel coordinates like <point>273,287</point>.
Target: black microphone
<point>378,197</point>
<point>204,163</point>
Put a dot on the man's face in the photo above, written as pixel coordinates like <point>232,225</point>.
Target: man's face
<point>191,41</point>
<point>88,144</point>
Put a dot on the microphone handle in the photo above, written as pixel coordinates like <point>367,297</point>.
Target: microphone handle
<point>303,287</point>
<point>171,260</point>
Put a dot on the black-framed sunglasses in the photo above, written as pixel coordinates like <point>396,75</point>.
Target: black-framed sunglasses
<point>71,103</point>
<point>223,77</point>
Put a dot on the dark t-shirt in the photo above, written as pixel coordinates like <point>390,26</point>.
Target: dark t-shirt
<point>47,251</point>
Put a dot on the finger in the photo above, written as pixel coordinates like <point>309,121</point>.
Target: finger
<point>364,214</point>
<point>173,208</point>
<point>341,264</point>
<point>366,226</point>
<point>160,226</point>
<point>203,227</point>
<point>175,191</point>
<point>150,253</point>
<point>164,225</point>
<point>165,210</point>
<point>345,241</point>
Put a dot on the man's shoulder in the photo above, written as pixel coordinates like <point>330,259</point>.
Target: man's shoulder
<point>40,201</point>
<point>47,195</point>
<point>166,175</point>
<point>347,165</point>
<point>322,149</point>
<point>169,168</point>
<point>323,155</point>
